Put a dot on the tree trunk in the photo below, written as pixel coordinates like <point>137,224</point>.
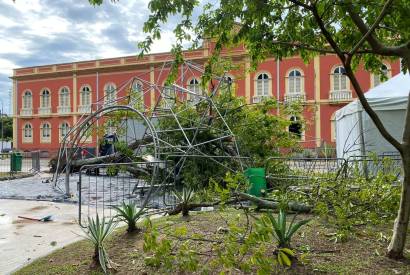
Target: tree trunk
<point>265,204</point>
<point>396,246</point>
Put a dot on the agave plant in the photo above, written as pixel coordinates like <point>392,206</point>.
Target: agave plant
<point>184,198</point>
<point>278,228</point>
<point>97,232</point>
<point>130,214</point>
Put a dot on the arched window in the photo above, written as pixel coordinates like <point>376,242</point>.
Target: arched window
<point>262,85</point>
<point>85,100</point>
<point>27,100</point>
<point>136,86</point>
<point>86,133</point>
<point>137,95</point>
<point>64,100</point>
<point>295,82</point>
<point>45,132</point>
<point>85,96</point>
<point>168,96</point>
<point>377,78</point>
<point>110,94</point>
<point>64,97</point>
<point>339,79</point>
<point>64,128</point>
<point>193,86</point>
<point>45,99</point>
<point>27,133</point>
<point>295,127</point>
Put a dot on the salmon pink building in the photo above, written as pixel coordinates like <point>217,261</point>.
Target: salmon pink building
<point>48,100</point>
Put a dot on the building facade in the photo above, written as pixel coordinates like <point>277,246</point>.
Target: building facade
<point>48,100</point>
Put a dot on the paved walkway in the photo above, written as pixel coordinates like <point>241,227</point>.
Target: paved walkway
<point>22,241</point>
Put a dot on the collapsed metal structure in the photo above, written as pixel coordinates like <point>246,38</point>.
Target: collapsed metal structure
<point>141,128</point>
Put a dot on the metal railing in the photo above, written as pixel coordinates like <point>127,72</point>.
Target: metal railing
<point>294,171</point>
<point>22,165</point>
<point>102,186</point>
<point>295,97</point>
<point>344,95</point>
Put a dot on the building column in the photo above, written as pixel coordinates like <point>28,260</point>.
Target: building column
<point>75,98</point>
<point>247,81</point>
<point>152,81</point>
<point>318,133</point>
<point>15,114</point>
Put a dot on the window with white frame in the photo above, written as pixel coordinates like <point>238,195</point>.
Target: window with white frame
<point>45,132</point>
<point>110,94</point>
<point>339,79</point>
<point>27,100</point>
<point>27,133</point>
<point>137,95</point>
<point>295,84</point>
<point>85,96</point>
<point>136,87</point>
<point>262,85</point>
<point>45,99</point>
<point>64,97</point>
<point>86,133</point>
<point>64,129</point>
<point>64,100</point>
<point>295,126</point>
<point>168,96</point>
<point>193,86</point>
<point>377,78</point>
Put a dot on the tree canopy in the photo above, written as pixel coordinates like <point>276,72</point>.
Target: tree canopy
<point>358,32</point>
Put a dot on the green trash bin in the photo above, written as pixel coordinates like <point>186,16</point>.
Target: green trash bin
<point>256,177</point>
<point>16,160</point>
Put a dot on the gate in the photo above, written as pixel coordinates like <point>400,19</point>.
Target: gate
<point>100,187</point>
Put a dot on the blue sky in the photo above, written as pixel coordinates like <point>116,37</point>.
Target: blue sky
<point>39,32</point>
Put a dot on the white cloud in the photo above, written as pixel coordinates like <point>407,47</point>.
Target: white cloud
<point>38,32</point>
<point>6,66</point>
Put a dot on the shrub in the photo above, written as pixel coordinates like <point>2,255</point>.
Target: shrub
<point>97,232</point>
<point>184,198</point>
<point>278,228</point>
<point>130,214</point>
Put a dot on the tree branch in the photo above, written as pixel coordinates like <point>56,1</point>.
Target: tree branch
<point>328,35</point>
<point>372,28</point>
<point>377,46</point>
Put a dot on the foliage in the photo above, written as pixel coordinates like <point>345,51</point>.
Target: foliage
<point>184,198</point>
<point>6,127</point>
<point>161,252</point>
<point>278,228</point>
<point>258,132</point>
<point>347,200</point>
<point>97,232</point>
<point>129,213</point>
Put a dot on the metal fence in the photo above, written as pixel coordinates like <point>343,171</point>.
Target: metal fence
<point>102,186</point>
<point>20,165</point>
<point>296,171</point>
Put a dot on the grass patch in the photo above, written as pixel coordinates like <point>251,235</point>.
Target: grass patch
<point>361,254</point>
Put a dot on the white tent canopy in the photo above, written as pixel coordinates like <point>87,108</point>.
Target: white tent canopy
<point>355,132</point>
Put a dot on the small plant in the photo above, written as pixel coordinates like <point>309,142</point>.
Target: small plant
<point>130,214</point>
<point>278,228</point>
<point>184,198</point>
<point>97,232</point>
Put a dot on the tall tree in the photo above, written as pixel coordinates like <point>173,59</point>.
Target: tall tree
<point>358,32</point>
